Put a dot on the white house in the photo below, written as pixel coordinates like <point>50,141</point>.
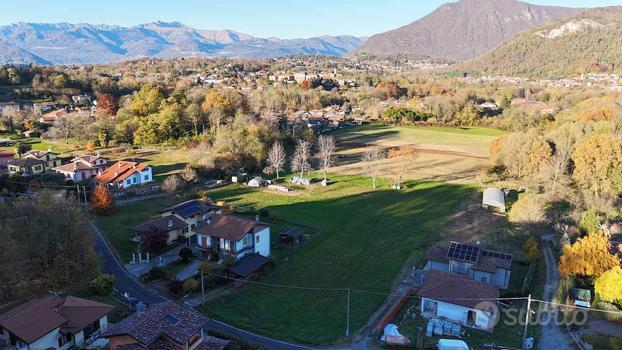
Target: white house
<point>472,261</point>
<point>82,168</point>
<point>234,236</point>
<point>49,158</point>
<point>123,174</point>
<point>53,323</point>
<point>459,299</point>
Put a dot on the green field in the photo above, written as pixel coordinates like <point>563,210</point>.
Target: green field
<point>365,238</point>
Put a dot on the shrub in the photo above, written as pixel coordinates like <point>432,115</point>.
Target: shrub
<point>175,288</point>
<point>186,254</point>
<point>590,221</point>
<point>156,273</point>
<point>527,210</point>
<point>190,286</point>
<point>530,248</point>
<point>229,261</point>
<point>102,285</point>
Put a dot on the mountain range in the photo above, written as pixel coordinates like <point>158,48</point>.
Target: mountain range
<point>590,42</point>
<point>462,30</point>
<point>64,43</point>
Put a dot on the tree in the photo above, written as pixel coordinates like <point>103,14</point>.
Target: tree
<point>186,254</point>
<point>372,157</point>
<point>189,174</point>
<point>325,154</point>
<point>54,240</point>
<point>531,250</point>
<point>107,104</point>
<point>405,154</point>
<point>147,101</point>
<point>154,239</point>
<point>90,146</point>
<point>102,201</point>
<point>21,148</point>
<point>195,116</point>
<point>608,286</point>
<point>102,285</point>
<point>8,264</point>
<point>218,106</point>
<point>205,267</point>
<point>300,160</point>
<point>172,183</point>
<point>598,163</point>
<point>588,257</point>
<point>276,159</point>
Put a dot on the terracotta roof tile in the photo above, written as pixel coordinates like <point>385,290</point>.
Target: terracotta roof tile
<point>456,289</point>
<point>229,227</point>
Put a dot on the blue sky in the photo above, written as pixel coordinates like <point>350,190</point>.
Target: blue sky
<point>281,18</point>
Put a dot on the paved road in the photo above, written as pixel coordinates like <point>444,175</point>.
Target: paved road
<point>552,337</point>
<point>126,283</point>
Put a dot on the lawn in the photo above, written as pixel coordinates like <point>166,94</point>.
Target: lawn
<point>116,228</point>
<point>442,154</point>
<point>365,237</point>
<point>61,147</point>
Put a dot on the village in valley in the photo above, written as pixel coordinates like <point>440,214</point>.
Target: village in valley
<point>311,201</point>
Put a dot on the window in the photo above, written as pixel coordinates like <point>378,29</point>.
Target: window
<point>483,279</point>
<point>146,177</point>
<point>64,339</point>
<point>193,227</point>
<point>128,182</point>
<point>184,230</point>
<point>135,180</point>
<point>257,239</point>
<point>245,240</point>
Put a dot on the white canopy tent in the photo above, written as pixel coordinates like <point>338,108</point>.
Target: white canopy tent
<point>494,198</point>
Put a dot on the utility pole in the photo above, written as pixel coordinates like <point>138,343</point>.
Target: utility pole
<point>524,346</point>
<point>78,193</point>
<point>348,316</point>
<point>84,190</point>
<point>202,289</point>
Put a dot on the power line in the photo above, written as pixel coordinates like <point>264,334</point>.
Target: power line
<point>577,307</point>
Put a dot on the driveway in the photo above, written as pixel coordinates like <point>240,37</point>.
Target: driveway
<point>552,337</point>
<point>126,283</point>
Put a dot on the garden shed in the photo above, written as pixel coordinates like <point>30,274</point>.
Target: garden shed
<point>255,182</point>
<point>494,198</point>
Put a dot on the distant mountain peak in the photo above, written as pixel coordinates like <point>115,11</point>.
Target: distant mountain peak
<point>464,29</point>
<point>66,43</point>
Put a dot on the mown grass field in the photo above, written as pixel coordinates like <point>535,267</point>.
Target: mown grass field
<point>365,238</point>
<point>442,154</point>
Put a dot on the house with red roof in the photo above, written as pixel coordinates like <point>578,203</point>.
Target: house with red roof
<point>457,298</point>
<point>82,168</point>
<point>5,157</point>
<point>124,174</point>
<point>53,323</point>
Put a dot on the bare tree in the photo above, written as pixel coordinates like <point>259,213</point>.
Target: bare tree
<point>326,150</point>
<point>189,174</point>
<point>300,161</point>
<point>172,183</point>
<point>560,161</point>
<point>406,155</point>
<point>276,159</point>
<point>372,157</point>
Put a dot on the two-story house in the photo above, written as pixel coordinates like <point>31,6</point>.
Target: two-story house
<point>473,261</point>
<point>163,326</point>
<point>26,166</point>
<point>174,228</point>
<point>191,212</point>
<point>49,158</point>
<point>53,323</point>
<point>124,174</point>
<point>82,168</point>
<point>235,236</point>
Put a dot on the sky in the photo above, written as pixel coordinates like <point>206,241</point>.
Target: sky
<point>262,18</point>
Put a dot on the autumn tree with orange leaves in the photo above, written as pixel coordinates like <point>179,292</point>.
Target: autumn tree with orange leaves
<point>588,257</point>
<point>102,201</point>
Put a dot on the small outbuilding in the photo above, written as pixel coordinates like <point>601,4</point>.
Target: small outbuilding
<point>291,236</point>
<point>494,198</point>
<point>255,182</point>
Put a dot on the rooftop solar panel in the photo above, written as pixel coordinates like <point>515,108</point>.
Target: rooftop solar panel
<point>463,252</point>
